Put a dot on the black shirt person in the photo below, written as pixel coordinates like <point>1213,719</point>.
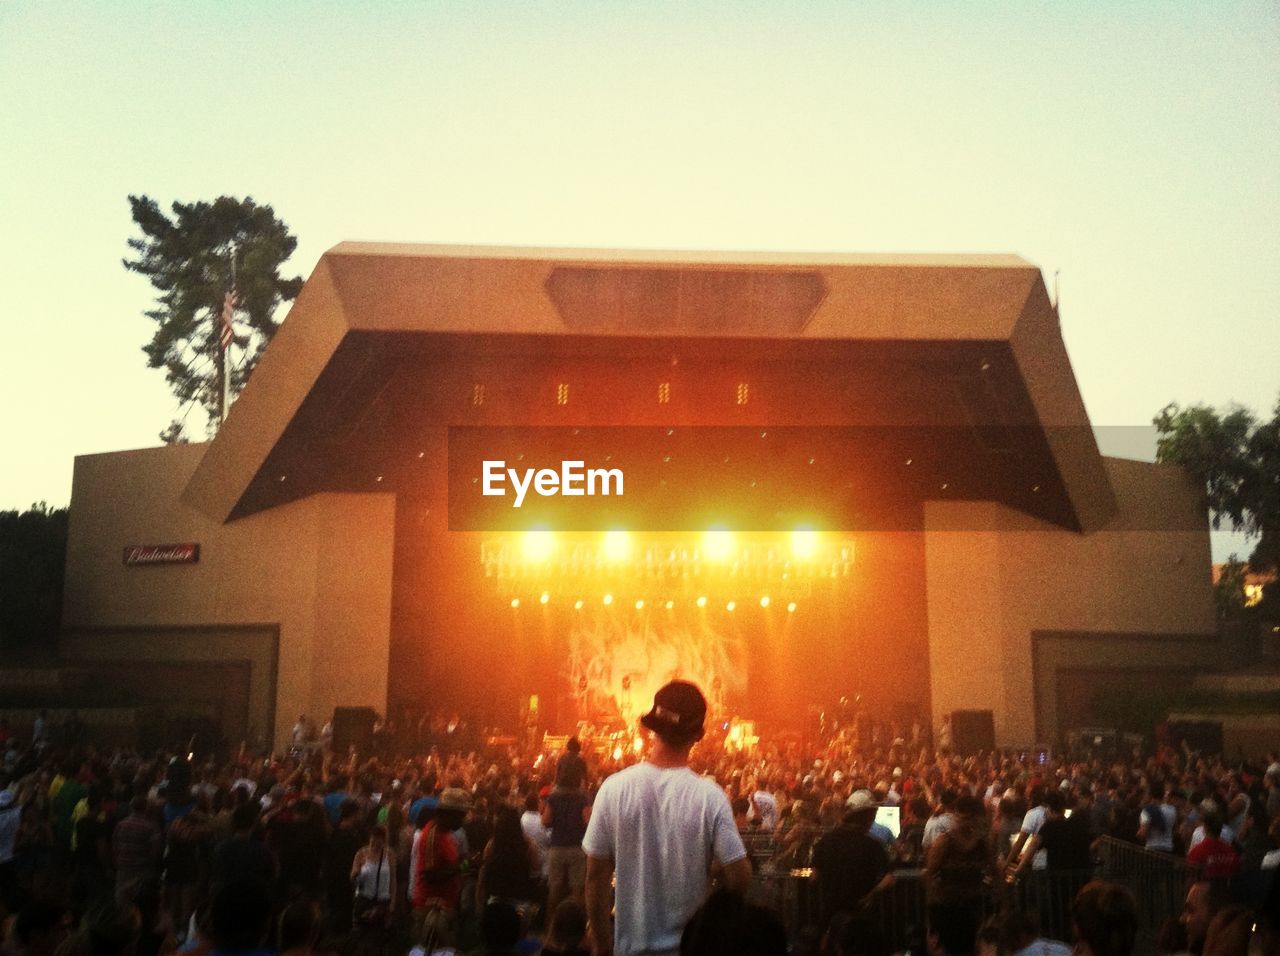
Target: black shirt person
<point>851,865</point>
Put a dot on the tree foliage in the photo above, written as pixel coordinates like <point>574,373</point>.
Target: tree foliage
<point>1236,458</point>
<point>188,259</point>
<point>1228,592</point>
<point>33,554</point>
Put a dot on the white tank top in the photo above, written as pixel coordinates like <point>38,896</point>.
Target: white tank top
<point>373,881</point>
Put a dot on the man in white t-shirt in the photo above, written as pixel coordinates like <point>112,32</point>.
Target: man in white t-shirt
<point>765,807</point>
<point>1156,823</point>
<point>657,826</point>
<point>941,820</point>
<point>1032,821</point>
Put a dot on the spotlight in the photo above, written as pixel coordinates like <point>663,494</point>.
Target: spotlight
<point>791,608</point>
<point>670,605</point>
<point>731,605</point>
<point>537,545</point>
<point>544,598</point>
<point>617,545</point>
<point>577,605</point>
<point>515,602</point>
<point>718,543</point>
<point>608,599</point>
<point>702,601</point>
<point>639,605</point>
<point>764,601</point>
<point>804,543</point>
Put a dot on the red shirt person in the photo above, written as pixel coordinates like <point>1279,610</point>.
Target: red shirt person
<point>438,865</point>
<point>1215,857</point>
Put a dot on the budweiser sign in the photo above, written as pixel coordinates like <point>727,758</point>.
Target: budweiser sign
<point>136,554</point>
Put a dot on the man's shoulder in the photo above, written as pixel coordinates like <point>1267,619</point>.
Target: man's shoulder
<point>616,783</point>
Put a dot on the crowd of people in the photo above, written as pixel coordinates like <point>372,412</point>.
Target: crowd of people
<point>673,847</point>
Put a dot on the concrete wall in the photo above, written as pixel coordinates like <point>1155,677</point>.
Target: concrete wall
<point>1004,589</point>
<point>316,572</point>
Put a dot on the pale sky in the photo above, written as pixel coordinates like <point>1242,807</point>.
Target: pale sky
<point>1134,147</point>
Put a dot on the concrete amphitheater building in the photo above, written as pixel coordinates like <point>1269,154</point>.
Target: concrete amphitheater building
<point>916,417</point>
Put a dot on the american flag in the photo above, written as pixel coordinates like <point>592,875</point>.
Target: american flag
<point>227,332</point>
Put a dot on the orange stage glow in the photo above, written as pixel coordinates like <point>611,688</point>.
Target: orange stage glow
<point>538,545</point>
<point>804,543</point>
<point>617,545</point>
<point>718,543</point>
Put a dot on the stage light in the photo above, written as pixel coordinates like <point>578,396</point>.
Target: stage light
<point>764,601</point>
<point>718,543</point>
<point>670,605</point>
<point>702,601</point>
<point>804,543</point>
<point>617,753</point>
<point>537,545</point>
<point>608,599</point>
<point>515,602</point>
<point>577,605</point>
<point>544,598</point>
<point>638,744</point>
<point>617,545</point>
<point>791,608</point>
<point>731,605</point>
<point>639,605</point>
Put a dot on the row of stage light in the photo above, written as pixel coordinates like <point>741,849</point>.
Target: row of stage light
<point>762,557</point>
<point>717,544</point>
<point>701,602</point>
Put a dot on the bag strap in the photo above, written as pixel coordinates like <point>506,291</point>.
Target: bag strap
<point>428,861</point>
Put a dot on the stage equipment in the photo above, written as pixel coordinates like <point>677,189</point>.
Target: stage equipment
<point>972,731</point>
<point>620,556</point>
<point>741,736</point>
<point>353,727</point>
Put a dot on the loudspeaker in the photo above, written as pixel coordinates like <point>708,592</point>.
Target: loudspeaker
<point>972,731</point>
<point>1202,735</point>
<point>353,727</point>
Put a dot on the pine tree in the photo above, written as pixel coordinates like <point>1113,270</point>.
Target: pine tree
<point>189,260</point>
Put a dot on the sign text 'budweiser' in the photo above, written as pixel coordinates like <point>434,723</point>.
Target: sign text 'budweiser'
<point>140,554</point>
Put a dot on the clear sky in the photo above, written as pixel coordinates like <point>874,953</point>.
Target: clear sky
<point>1134,147</point>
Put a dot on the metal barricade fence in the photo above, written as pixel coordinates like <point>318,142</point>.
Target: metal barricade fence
<point>1158,882</point>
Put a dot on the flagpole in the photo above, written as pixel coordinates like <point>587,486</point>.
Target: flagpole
<point>226,365</point>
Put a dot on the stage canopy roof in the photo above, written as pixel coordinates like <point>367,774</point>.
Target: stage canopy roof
<point>954,364</point>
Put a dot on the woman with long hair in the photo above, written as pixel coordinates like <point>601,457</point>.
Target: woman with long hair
<point>509,863</point>
<point>373,871</point>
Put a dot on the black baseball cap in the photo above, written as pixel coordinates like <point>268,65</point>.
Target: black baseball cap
<point>679,710</point>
